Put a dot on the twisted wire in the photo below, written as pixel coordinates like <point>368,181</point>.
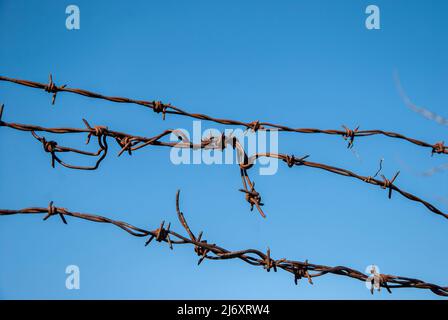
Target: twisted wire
<point>210,251</point>
<point>131,143</point>
<point>167,108</point>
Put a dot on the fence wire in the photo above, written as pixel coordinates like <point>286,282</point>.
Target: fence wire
<point>210,251</point>
<point>130,143</point>
<point>167,108</point>
<point>206,251</point>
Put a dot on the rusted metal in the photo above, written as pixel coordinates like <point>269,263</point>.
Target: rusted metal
<point>132,143</point>
<point>167,108</point>
<point>205,250</point>
<point>254,257</point>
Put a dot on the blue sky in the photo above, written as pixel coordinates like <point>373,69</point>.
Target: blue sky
<point>299,63</point>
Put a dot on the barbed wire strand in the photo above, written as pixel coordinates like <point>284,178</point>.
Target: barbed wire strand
<point>210,251</point>
<point>167,108</point>
<point>132,143</point>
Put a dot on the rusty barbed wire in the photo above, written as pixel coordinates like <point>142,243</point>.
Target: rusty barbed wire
<point>167,108</point>
<point>131,143</point>
<point>210,251</point>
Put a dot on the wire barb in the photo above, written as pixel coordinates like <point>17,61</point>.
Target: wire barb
<point>132,143</point>
<point>50,147</point>
<point>200,250</point>
<point>52,88</point>
<point>380,280</point>
<point>301,271</point>
<point>269,263</point>
<point>438,147</point>
<point>254,199</point>
<point>52,210</point>
<point>158,106</point>
<point>160,235</point>
<point>97,131</point>
<point>250,256</point>
<point>350,136</point>
<point>125,143</point>
<point>290,161</point>
<point>201,247</point>
<point>255,126</point>
<point>388,184</point>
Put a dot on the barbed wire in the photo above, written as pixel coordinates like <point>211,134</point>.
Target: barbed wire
<point>167,108</point>
<point>210,251</point>
<point>131,143</point>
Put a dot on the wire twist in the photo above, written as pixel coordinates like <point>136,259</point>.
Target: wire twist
<point>254,257</point>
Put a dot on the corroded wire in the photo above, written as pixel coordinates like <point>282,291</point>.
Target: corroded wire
<point>167,108</point>
<point>131,143</point>
<point>209,251</point>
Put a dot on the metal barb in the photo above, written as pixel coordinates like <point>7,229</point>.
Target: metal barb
<point>250,256</point>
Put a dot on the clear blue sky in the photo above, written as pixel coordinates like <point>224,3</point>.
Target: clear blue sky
<point>300,63</point>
